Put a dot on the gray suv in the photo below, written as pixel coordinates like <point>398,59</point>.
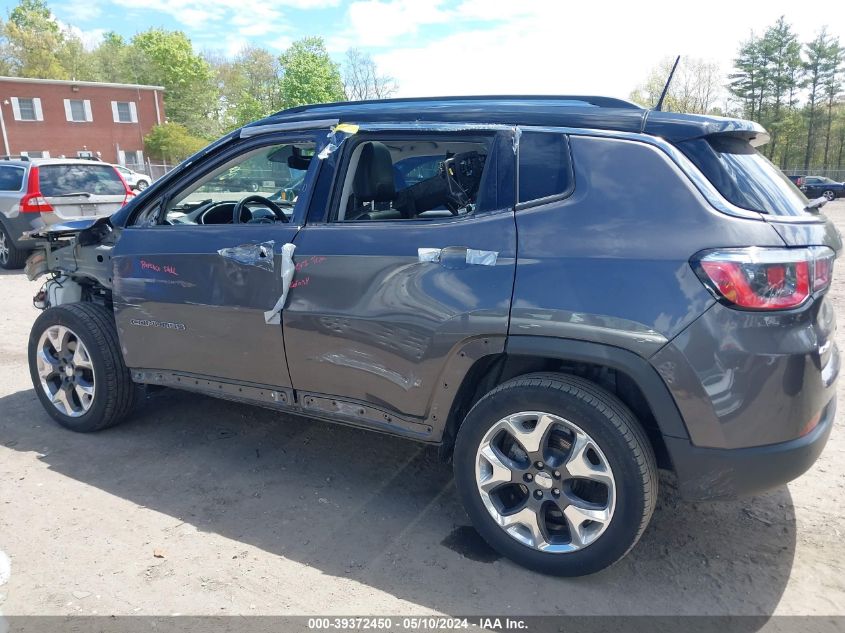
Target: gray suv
<point>562,294</point>
<point>35,192</point>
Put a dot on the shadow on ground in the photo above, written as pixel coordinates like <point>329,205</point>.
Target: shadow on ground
<point>383,511</point>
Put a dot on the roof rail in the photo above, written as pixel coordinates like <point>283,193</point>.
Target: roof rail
<point>11,157</point>
<point>598,101</point>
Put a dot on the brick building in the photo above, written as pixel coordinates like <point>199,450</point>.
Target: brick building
<point>57,118</point>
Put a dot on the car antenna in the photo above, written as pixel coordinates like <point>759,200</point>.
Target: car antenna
<point>659,105</point>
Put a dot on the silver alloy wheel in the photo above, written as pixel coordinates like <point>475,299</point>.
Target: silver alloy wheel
<point>545,482</point>
<point>4,248</point>
<point>829,195</point>
<point>142,184</point>
<point>66,371</point>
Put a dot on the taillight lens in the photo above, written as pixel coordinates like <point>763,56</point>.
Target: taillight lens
<point>766,278</point>
<point>129,193</point>
<point>34,201</point>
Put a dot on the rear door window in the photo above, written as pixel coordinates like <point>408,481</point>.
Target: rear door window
<point>11,178</point>
<point>744,176</point>
<point>64,180</point>
<point>545,168</point>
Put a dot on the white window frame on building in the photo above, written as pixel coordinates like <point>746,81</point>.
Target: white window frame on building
<point>37,112</point>
<point>127,155</point>
<point>116,114</point>
<point>85,116</point>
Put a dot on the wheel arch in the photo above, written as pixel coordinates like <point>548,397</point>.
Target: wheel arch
<point>627,375</point>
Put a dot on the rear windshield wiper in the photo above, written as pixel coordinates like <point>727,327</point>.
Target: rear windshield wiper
<point>72,194</point>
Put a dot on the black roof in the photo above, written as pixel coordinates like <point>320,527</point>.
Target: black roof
<point>577,111</point>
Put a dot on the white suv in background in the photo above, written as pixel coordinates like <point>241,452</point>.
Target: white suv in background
<point>135,179</point>
<point>39,191</point>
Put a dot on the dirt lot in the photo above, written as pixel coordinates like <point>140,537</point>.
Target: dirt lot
<point>252,512</point>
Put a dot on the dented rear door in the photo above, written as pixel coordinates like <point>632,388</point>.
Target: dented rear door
<point>378,311</point>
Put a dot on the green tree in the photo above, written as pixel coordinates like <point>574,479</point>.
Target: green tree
<point>34,45</point>
<point>191,96</point>
<point>32,42</point>
<point>817,69</point>
<point>839,129</point>
<point>250,86</point>
<point>78,62</point>
<point>115,60</point>
<point>172,142</point>
<point>783,54</point>
<point>309,74</point>
<point>748,80</point>
<point>832,87</point>
<point>33,15</point>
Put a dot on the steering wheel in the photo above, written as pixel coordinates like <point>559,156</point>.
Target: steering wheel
<point>239,207</point>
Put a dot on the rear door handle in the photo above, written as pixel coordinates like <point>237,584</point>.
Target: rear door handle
<point>458,256</point>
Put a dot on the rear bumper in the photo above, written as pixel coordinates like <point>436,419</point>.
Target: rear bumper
<point>719,473</point>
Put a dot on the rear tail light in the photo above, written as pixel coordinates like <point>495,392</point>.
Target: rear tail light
<point>766,278</point>
<point>33,201</point>
<point>129,193</point>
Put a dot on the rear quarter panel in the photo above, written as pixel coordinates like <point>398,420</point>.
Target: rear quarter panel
<point>610,263</point>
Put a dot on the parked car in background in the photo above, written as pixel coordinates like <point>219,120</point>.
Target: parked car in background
<point>817,186</point>
<point>135,179</point>
<point>35,192</point>
<point>444,276</point>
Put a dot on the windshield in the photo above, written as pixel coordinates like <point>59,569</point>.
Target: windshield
<point>744,176</point>
<point>61,180</point>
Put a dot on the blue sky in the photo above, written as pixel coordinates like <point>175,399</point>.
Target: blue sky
<point>472,46</point>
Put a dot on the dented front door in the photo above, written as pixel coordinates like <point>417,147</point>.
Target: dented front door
<point>192,299</point>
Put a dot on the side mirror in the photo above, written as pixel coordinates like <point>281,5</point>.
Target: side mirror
<point>815,205</point>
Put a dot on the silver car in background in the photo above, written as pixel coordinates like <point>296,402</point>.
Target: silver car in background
<point>40,192</point>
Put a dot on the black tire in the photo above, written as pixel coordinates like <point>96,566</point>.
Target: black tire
<point>115,395</point>
<point>141,185</point>
<point>830,195</point>
<point>617,433</point>
<point>11,257</point>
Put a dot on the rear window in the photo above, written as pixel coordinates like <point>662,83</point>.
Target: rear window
<point>544,165</point>
<point>61,180</point>
<point>744,176</point>
<point>11,178</point>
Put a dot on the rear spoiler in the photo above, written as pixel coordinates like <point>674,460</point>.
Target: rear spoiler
<point>682,127</point>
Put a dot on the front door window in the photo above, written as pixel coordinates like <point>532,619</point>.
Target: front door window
<point>275,174</point>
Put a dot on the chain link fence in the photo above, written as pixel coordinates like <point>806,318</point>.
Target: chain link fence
<point>153,170</point>
<point>834,174</point>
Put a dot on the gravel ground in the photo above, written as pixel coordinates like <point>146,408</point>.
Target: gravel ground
<point>200,506</point>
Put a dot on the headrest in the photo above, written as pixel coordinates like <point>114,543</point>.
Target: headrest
<point>374,176</point>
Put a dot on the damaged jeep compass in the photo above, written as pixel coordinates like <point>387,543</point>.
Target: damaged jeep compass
<point>563,294</point>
